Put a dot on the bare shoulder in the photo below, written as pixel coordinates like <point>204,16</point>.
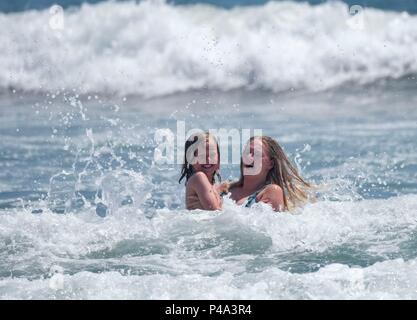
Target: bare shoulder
<point>273,195</point>
<point>273,189</point>
<point>198,178</point>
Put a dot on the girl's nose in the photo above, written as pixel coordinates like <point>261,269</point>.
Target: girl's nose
<point>210,159</point>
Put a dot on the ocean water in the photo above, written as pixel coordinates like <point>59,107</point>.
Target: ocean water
<point>22,5</point>
<point>87,213</point>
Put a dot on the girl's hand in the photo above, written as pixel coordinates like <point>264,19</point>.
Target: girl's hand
<point>222,187</point>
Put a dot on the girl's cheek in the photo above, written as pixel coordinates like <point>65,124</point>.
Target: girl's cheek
<point>264,164</point>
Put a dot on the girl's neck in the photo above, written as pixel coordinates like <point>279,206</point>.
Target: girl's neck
<point>210,178</point>
<point>253,184</point>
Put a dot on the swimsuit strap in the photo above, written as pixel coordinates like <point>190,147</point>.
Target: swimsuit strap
<point>252,199</point>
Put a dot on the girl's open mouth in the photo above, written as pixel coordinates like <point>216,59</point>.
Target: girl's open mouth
<point>207,166</point>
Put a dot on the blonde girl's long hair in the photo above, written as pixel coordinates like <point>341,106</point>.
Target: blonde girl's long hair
<point>283,173</point>
<point>187,169</point>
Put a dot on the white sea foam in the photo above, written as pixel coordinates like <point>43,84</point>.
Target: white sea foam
<point>152,48</point>
<point>394,279</point>
<point>208,254</point>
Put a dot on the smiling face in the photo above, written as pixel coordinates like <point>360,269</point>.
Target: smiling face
<point>206,157</point>
<point>255,159</point>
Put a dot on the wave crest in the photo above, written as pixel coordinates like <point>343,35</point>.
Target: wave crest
<point>152,48</point>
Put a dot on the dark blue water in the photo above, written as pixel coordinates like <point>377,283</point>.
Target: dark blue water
<point>22,5</point>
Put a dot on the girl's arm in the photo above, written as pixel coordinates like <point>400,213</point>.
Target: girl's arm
<point>273,195</point>
<point>208,196</point>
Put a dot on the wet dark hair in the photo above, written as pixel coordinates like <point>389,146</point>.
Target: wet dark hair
<point>187,169</point>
